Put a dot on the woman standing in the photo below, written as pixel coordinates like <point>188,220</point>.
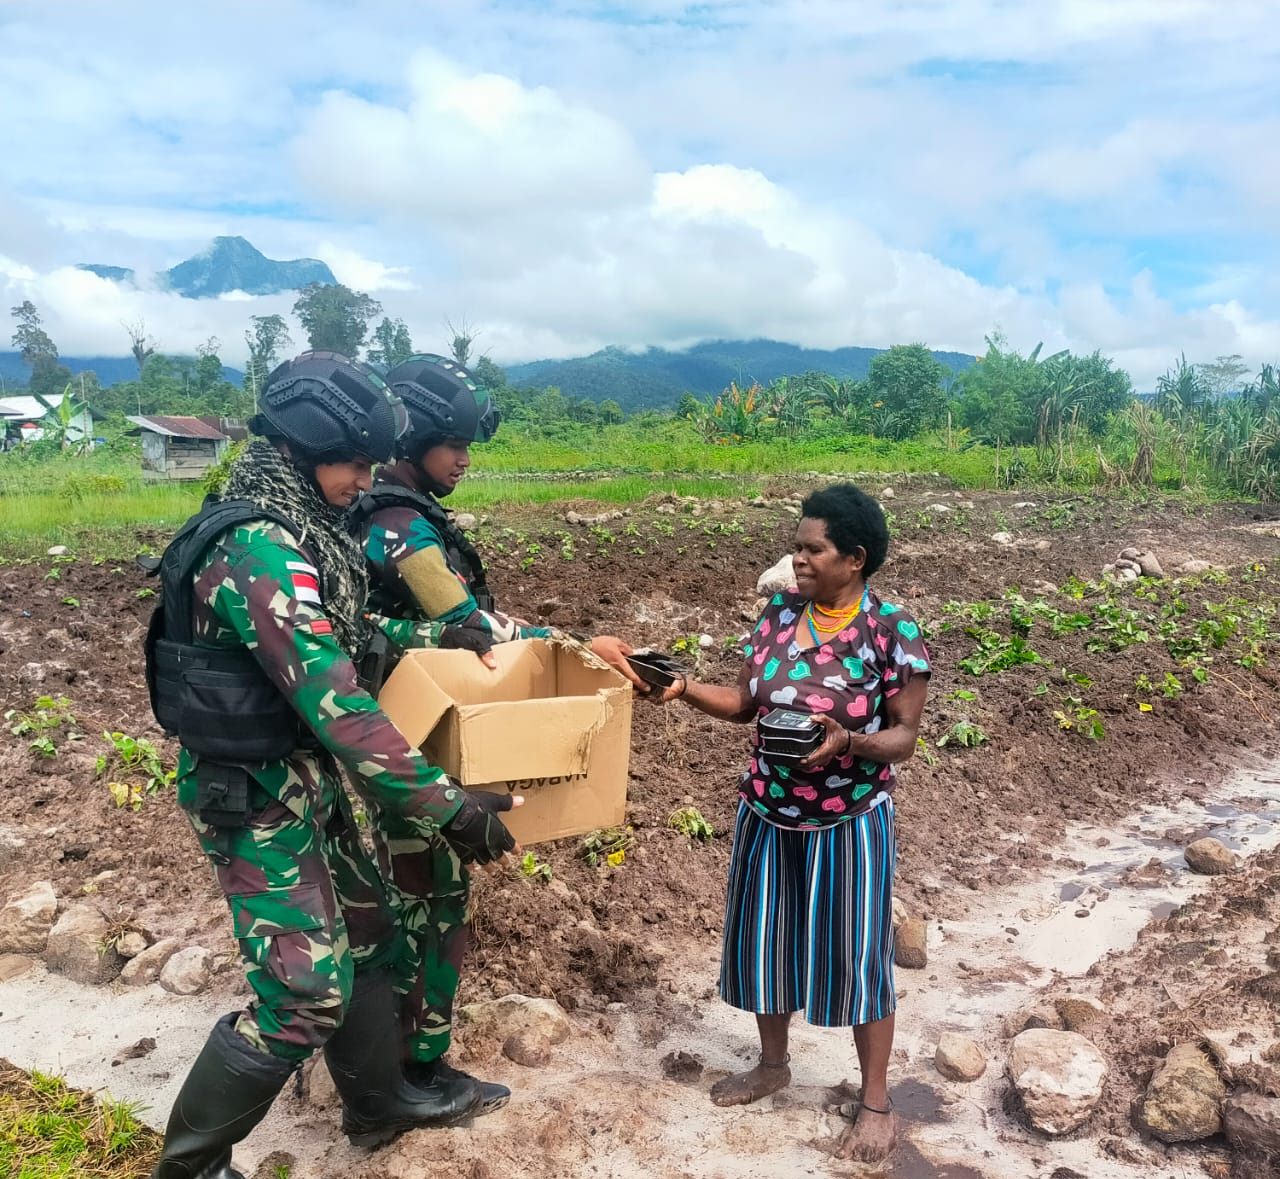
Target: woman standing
<point>808,922</point>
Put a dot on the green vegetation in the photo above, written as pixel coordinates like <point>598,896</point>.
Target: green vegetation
<point>48,1131</point>
<point>689,821</point>
<point>47,717</point>
<point>607,845</point>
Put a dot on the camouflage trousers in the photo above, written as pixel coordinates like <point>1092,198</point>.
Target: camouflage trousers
<point>430,892</point>
<point>307,907</point>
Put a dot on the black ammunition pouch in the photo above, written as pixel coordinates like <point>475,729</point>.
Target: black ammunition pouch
<point>218,702</point>
<point>377,660</point>
<point>458,550</point>
<point>223,794</point>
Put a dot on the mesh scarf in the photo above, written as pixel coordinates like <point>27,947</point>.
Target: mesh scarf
<point>262,474</point>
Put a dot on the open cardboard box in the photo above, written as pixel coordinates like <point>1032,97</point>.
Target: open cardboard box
<point>553,723</point>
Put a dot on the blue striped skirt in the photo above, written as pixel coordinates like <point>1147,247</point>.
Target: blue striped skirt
<point>809,919</point>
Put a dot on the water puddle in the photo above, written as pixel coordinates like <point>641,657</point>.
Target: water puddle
<point>1020,944</point>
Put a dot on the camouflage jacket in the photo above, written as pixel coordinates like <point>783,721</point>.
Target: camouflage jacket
<point>409,561</point>
<point>258,588</point>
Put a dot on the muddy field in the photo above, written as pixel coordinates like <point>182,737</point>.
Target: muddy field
<point>1064,713</point>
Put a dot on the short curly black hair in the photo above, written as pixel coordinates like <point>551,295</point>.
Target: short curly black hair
<point>854,521</point>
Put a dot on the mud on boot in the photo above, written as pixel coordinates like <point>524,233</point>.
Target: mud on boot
<point>363,1056</point>
<point>424,1074</point>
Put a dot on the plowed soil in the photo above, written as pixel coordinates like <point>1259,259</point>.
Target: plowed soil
<point>1072,737</point>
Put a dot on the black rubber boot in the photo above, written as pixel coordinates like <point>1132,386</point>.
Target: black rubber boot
<point>492,1095</point>
<point>227,1092</point>
<point>363,1056</point>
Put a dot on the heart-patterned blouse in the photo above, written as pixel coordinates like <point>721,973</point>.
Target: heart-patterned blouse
<point>849,675</point>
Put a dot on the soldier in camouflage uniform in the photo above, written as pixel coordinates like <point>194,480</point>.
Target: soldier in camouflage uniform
<point>423,567</point>
<point>251,662</point>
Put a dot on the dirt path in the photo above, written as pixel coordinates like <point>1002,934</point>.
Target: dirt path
<point>1019,944</point>
<point>1007,835</point>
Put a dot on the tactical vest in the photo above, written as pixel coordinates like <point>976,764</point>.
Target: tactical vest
<point>217,701</point>
<point>459,551</point>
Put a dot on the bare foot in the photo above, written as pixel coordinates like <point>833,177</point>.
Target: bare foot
<point>871,1138</point>
<point>744,1088</point>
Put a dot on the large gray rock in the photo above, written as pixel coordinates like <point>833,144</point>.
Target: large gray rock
<point>188,972</point>
<point>1211,857</point>
<point>145,967</point>
<point>1252,1123</point>
<point>1183,1103</point>
<point>958,1058</point>
<point>80,948</point>
<point>515,1014</point>
<point>776,578</point>
<point>1058,1076</point>
<point>26,919</point>
<point>910,945</point>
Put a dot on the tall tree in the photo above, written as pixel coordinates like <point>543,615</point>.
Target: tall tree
<point>335,318</point>
<point>392,343</point>
<point>267,337</point>
<point>1223,376</point>
<point>48,378</point>
<point>139,344</point>
<point>907,381</point>
<point>461,340</point>
<point>489,375</point>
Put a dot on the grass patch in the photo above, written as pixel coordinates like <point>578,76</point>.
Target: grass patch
<point>48,1131</point>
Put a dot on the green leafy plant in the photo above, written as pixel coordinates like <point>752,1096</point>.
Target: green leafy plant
<point>71,601</point>
<point>996,653</point>
<point>44,747</point>
<point>965,734</point>
<point>1075,717</point>
<point>139,755</point>
<point>534,868</point>
<point>688,820</point>
<point>608,845</point>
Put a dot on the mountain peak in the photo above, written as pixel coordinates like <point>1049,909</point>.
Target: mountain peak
<point>235,264</point>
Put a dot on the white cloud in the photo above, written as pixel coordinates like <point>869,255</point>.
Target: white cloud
<point>360,273</point>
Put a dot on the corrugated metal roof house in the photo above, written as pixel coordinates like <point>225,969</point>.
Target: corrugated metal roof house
<point>176,447</point>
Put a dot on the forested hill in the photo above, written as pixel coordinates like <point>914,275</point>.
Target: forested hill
<point>110,370</point>
<point>657,378</point>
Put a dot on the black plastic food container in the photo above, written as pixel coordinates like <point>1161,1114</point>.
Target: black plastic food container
<point>656,668</point>
<point>789,736</point>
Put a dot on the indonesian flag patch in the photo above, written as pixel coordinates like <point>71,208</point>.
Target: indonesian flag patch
<point>321,626</point>
<point>306,582</point>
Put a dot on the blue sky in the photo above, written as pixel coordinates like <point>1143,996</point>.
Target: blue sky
<point>569,174</point>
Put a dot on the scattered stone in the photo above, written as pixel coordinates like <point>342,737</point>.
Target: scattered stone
<point>940,509</point>
<point>1129,554</point>
<point>706,642</point>
<point>14,966</point>
<point>758,501</point>
<point>1058,1077</point>
<point>776,578</point>
<point>1077,1012</point>
<point>188,972</point>
<point>967,504</point>
<point>131,943</point>
<point>1194,568</point>
<point>529,1048</point>
<point>682,1066</point>
<point>466,521</point>
<point>886,493</point>
<point>1183,1103</point>
<point>666,509</point>
<point>958,1058</point>
<point>1044,588</point>
<point>1210,857</point>
<point>1002,538</point>
<point>31,674</point>
<point>519,1013</point>
<point>590,521</point>
<point>1026,503</point>
<point>80,948</point>
<point>910,947</point>
<point>1252,1123</point>
<point>57,550</point>
<point>26,919</point>
<point>1040,1015</point>
<point>1149,565</point>
<point>899,912</point>
<point>145,967</point>
<point>144,1047</point>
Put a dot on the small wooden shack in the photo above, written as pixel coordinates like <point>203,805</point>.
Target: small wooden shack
<point>179,447</point>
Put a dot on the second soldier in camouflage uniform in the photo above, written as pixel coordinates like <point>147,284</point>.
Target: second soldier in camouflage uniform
<point>423,567</point>
<point>253,668</point>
